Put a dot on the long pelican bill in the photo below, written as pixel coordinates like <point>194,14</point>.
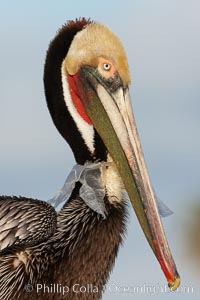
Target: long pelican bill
<point>110,111</point>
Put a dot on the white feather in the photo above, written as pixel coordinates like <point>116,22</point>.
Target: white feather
<point>86,130</point>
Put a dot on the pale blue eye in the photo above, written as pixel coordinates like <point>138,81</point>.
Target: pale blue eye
<point>106,67</point>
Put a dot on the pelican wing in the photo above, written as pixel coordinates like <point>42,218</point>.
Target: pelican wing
<point>25,221</point>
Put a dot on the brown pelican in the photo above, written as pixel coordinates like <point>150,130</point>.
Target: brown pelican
<point>47,254</point>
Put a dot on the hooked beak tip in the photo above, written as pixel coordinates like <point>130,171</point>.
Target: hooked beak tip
<point>174,284</point>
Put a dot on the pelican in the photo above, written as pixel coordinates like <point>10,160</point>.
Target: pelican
<point>69,253</point>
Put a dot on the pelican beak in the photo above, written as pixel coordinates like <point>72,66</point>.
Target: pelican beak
<point>108,106</point>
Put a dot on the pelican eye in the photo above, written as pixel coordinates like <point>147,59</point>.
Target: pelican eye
<point>106,66</point>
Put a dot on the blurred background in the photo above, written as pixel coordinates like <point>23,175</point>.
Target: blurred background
<point>162,40</point>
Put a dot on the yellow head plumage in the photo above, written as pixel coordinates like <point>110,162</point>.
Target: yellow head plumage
<point>93,42</point>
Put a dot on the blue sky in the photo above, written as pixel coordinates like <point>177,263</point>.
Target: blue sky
<point>162,40</point>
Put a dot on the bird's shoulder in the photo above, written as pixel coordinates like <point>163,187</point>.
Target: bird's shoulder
<point>25,221</point>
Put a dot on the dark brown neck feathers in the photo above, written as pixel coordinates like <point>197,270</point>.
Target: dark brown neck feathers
<point>89,258</point>
<point>61,117</point>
